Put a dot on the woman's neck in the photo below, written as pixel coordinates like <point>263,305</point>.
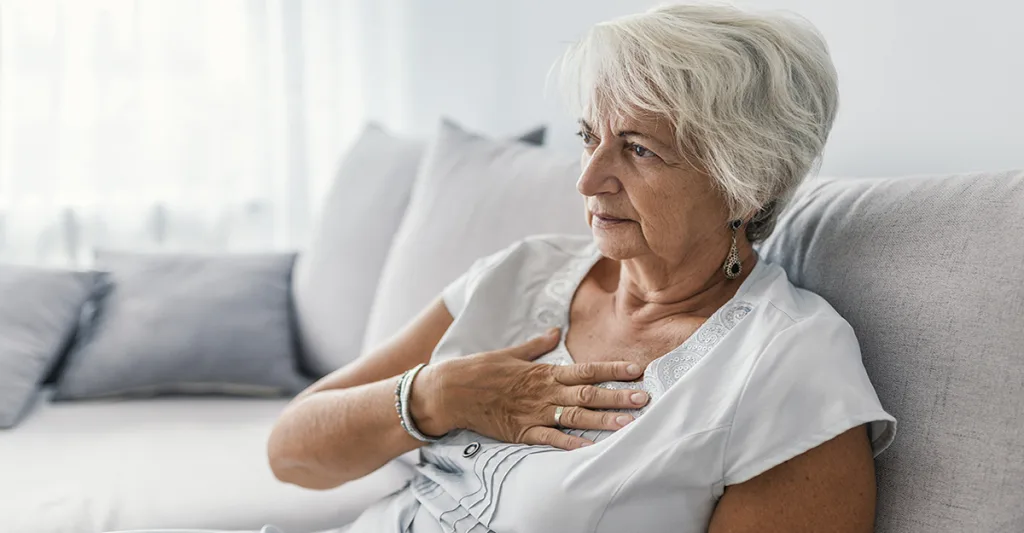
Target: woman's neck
<point>648,290</point>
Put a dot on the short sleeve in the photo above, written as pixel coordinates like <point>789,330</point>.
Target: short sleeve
<point>808,386</point>
<point>457,293</point>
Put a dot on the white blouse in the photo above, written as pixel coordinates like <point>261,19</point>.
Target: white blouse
<point>773,373</point>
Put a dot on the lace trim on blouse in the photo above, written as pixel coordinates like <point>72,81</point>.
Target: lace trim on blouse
<point>552,310</point>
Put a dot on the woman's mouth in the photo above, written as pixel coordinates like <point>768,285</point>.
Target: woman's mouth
<point>605,221</point>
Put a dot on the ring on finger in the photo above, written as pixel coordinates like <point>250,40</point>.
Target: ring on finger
<point>558,416</point>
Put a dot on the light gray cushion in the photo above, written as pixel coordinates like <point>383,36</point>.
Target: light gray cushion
<point>218,324</point>
<point>336,277</point>
<point>473,196</point>
<point>930,273</point>
<point>39,311</point>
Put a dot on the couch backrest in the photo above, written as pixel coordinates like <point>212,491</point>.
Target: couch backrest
<point>930,273</point>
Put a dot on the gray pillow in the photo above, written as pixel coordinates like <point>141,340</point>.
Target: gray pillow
<point>39,310</point>
<point>929,271</point>
<point>200,324</point>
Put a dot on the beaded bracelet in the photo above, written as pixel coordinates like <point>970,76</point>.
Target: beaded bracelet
<point>402,392</point>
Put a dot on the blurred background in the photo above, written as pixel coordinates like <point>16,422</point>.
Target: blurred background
<point>216,125</point>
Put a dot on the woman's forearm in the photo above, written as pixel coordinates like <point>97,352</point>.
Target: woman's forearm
<point>345,426</point>
<point>327,438</point>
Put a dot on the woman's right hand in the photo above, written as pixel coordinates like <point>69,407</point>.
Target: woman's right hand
<point>503,395</point>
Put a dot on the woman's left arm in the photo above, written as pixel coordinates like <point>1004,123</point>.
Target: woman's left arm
<point>828,489</point>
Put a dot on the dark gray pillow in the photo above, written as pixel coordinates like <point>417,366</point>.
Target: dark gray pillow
<point>38,313</point>
<point>186,324</point>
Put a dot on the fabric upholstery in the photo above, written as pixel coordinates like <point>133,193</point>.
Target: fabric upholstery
<point>176,323</point>
<point>168,462</point>
<point>39,311</point>
<point>336,277</point>
<point>473,196</point>
<point>929,271</point>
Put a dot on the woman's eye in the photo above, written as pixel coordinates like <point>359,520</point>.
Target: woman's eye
<point>640,151</point>
<point>588,139</point>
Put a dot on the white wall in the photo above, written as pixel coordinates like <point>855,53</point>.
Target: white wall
<point>927,86</point>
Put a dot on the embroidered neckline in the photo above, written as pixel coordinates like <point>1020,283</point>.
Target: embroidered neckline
<point>554,305</point>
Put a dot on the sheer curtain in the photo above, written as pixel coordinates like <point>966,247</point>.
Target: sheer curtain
<point>170,124</point>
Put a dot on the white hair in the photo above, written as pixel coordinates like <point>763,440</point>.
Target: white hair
<point>751,95</point>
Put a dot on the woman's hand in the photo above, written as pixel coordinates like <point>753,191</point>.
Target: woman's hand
<point>503,395</point>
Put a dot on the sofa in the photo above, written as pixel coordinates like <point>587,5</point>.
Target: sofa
<point>929,270</point>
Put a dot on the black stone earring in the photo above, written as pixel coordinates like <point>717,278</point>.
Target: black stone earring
<point>732,267</point>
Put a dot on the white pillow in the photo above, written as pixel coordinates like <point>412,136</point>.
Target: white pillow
<point>335,278</point>
<point>472,197</point>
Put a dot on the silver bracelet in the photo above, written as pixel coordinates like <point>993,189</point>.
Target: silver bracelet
<point>402,392</point>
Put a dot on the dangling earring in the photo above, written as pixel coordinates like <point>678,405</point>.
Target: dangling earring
<point>732,266</point>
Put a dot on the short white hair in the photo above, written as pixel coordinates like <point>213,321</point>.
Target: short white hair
<point>751,95</point>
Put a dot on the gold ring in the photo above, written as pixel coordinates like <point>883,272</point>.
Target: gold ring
<point>558,416</point>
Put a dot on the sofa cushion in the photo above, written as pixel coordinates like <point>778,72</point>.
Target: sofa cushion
<point>336,277</point>
<point>472,197</point>
<point>39,311</point>
<point>187,323</point>
<point>171,462</point>
<point>337,273</point>
<point>929,271</point>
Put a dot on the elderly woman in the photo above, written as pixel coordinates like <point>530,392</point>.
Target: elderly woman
<point>658,377</point>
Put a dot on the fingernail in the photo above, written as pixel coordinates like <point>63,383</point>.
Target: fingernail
<point>552,332</point>
<point>585,444</point>
<point>633,369</point>
<point>623,419</point>
<point>638,398</point>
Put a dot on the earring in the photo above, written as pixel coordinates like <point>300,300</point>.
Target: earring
<point>732,267</point>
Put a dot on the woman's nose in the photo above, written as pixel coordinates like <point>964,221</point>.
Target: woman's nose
<point>598,175</point>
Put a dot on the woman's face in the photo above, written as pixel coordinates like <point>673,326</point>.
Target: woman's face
<point>642,196</point>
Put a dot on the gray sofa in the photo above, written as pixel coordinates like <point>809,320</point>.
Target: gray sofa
<point>930,272</point>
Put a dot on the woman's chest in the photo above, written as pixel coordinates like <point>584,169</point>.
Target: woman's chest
<point>595,334</point>
<point>601,338</point>
<point>660,473</point>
